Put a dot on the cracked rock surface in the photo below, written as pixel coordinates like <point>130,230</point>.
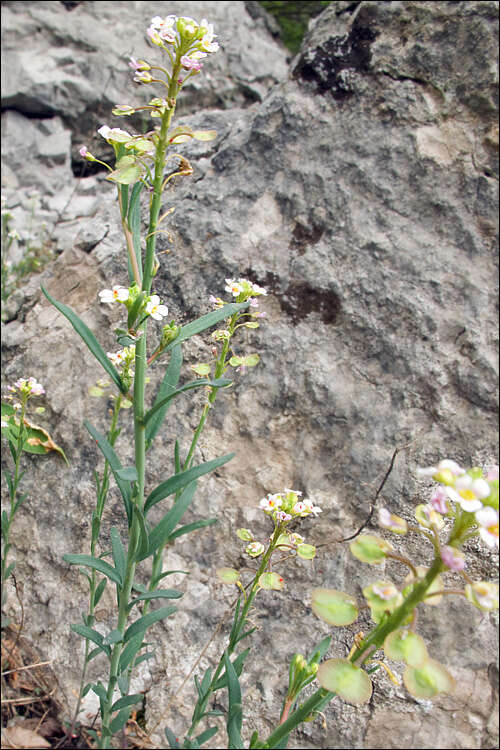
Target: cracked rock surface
<point>359,185</point>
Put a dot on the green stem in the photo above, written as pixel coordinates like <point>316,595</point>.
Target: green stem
<point>236,631</point>
<point>101,500</point>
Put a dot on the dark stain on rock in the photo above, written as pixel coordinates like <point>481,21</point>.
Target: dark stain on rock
<point>300,299</point>
<point>331,65</point>
<point>304,236</point>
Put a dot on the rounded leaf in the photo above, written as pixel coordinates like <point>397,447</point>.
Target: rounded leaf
<point>306,551</point>
<point>428,680</point>
<point>349,682</point>
<point>271,581</point>
<point>334,607</point>
<point>370,549</point>
<point>204,135</point>
<point>405,645</point>
<point>227,575</point>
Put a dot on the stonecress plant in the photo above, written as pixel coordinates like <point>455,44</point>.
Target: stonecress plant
<point>143,168</point>
<point>22,436</point>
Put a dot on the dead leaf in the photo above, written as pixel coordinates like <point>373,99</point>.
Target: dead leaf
<point>25,739</point>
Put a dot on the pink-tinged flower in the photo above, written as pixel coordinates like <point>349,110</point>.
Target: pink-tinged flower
<point>445,472</point>
<point>189,64</point>
<point>428,517</point>
<point>469,492</point>
<point>492,473</point>
<point>391,522</point>
<point>487,519</point>
<point>453,558</point>
<point>301,509</point>
<point>134,64</point>
<point>280,515</point>
<point>28,386</point>
<point>36,389</point>
<point>83,151</point>
<point>439,501</point>
<point>270,503</point>
<point>116,294</point>
<point>155,308</point>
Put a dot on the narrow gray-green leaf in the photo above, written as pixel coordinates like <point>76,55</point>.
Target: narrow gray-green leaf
<point>94,562</point>
<point>161,532</point>
<point>188,528</point>
<point>143,544</point>
<point>90,340</point>
<point>178,481</point>
<point>91,635</point>
<point>201,383</point>
<point>235,713</point>
<point>127,700</point>
<point>129,474</point>
<point>115,465</point>
<point>130,650</point>
<point>156,594</point>
<point>143,623</point>
<point>112,637</point>
<point>118,550</point>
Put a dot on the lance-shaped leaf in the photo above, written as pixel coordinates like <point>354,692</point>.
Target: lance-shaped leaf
<point>90,340</point>
<point>115,466</point>
<point>161,532</point>
<point>189,527</point>
<point>134,223</point>
<point>168,385</point>
<point>119,557</point>
<point>157,594</point>
<point>217,383</point>
<point>142,544</point>
<point>178,481</point>
<point>235,712</point>
<point>92,635</point>
<point>95,562</point>
<point>207,321</point>
<point>143,623</point>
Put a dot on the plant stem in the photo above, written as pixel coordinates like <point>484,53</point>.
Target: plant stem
<point>101,501</point>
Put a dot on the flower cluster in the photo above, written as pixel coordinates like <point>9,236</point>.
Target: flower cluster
<point>470,493</point>
<point>286,505</point>
<point>152,305</point>
<point>123,358</point>
<point>27,387</point>
<point>191,41</point>
<point>244,290</point>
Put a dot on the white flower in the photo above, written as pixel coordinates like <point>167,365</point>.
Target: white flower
<point>314,509</point>
<point>487,519</point>
<point>116,294</point>
<point>270,503</point>
<point>155,308</point>
<point>469,492</point>
<point>233,287</point>
<point>445,471</point>
<point>116,357</point>
<point>116,135</point>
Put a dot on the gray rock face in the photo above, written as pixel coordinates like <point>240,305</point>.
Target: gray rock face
<point>360,188</point>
